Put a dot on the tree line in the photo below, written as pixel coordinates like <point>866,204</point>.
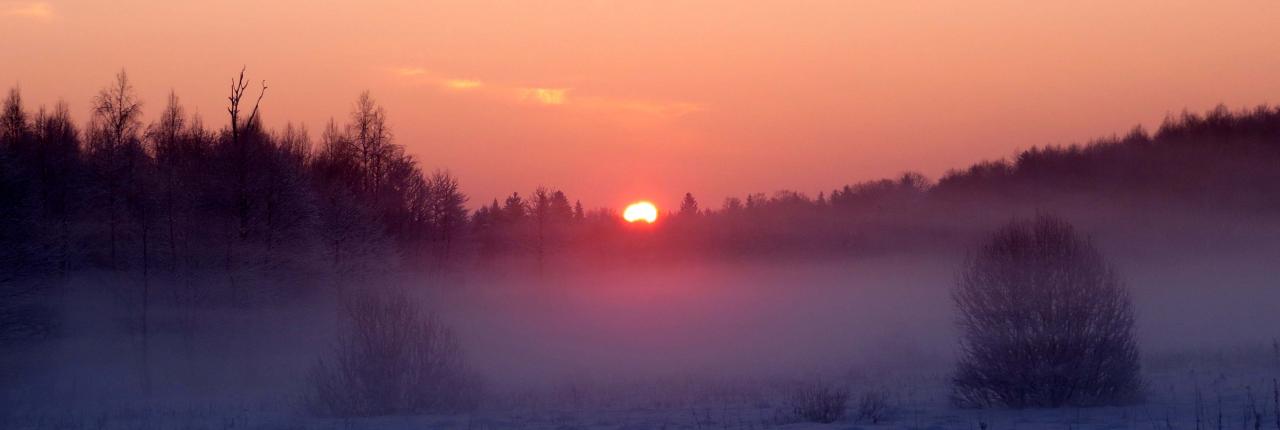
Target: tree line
<point>175,196</point>
<point>178,199</point>
<point>174,193</point>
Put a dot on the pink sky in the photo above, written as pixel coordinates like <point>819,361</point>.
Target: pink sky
<point>618,101</point>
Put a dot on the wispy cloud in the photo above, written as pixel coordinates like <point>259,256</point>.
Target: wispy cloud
<point>549,96</point>
<point>462,84</point>
<point>29,10</point>
<point>423,76</point>
<point>546,96</point>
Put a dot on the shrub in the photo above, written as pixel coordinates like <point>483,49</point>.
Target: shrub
<point>873,406</point>
<point>1045,322</point>
<point>819,402</point>
<point>392,359</point>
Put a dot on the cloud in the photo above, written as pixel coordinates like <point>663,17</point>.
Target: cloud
<point>462,84</point>
<point>549,96</point>
<point>420,76</point>
<point>30,10</point>
<point>546,96</point>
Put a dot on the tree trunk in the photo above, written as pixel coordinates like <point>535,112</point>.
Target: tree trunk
<point>146,314</point>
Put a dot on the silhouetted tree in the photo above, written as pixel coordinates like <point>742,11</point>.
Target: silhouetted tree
<point>58,177</point>
<point>561,212</point>
<point>447,209</point>
<point>348,227</point>
<point>514,209</point>
<point>15,130</point>
<point>123,168</point>
<point>115,153</point>
<point>23,257</point>
<point>371,137</point>
<point>168,145</point>
<point>688,206</point>
<point>731,205</point>
<point>540,213</point>
<point>404,206</point>
<point>239,151</point>
<point>287,200</point>
<point>484,227</point>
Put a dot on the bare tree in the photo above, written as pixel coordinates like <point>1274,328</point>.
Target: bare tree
<point>14,127</point>
<point>238,87</point>
<point>121,163</point>
<point>166,137</point>
<point>448,213</point>
<point>1045,322</point>
<point>285,204</point>
<point>114,144</point>
<point>241,150</point>
<point>347,224</point>
<point>371,138</point>
<point>58,171</point>
<point>22,259</point>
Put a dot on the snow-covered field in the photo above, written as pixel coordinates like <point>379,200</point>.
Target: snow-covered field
<point>697,348</point>
<point>1189,391</point>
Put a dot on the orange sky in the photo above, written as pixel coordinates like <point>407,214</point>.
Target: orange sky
<point>614,101</point>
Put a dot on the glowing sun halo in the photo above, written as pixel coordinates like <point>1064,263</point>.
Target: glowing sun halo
<point>641,211</point>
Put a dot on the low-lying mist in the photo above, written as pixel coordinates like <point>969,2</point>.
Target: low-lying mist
<point>792,320</point>
<point>619,324</point>
<point>712,319</point>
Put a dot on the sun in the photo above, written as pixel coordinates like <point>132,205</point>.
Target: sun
<point>641,211</point>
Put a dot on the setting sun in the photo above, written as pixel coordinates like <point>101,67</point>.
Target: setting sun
<point>641,211</point>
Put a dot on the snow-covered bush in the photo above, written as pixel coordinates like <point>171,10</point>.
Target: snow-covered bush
<point>873,406</point>
<point>818,402</point>
<point>1045,322</point>
<point>392,359</point>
